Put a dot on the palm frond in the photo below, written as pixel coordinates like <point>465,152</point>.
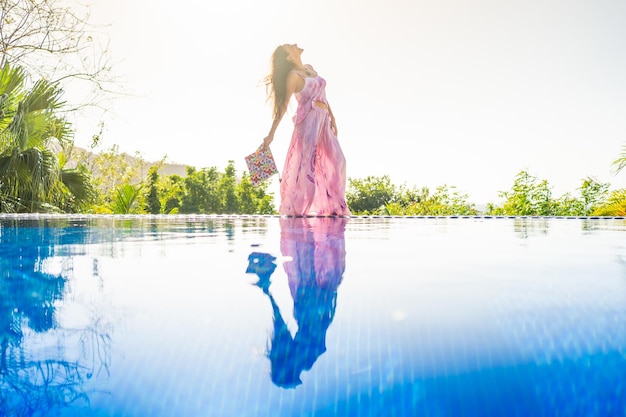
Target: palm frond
<point>78,183</point>
<point>11,79</point>
<point>620,162</point>
<point>10,204</point>
<point>33,121</point>
<point>16,130</point>
<point>31,178</point>
<point>44,96</point>
<point>30,174</point>
<point>125,197</point>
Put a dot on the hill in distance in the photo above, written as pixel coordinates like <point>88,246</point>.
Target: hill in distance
<point>166,169</point>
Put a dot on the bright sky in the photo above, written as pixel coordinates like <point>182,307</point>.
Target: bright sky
<point>463,93</point>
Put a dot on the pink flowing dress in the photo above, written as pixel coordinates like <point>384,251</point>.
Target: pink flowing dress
<point>314,175</point>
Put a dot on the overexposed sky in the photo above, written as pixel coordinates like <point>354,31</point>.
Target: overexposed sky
<point>463,93</point>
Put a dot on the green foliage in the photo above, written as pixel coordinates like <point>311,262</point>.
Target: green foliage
<point>112,170</point>
<point>200,195</point>
<point>592,194</point>
<point>170,191</point>
<point>208,191</point>
<point>32,173</point>
<point>369,195</point>
<point>530,196</point>
<point>229,201</point>
<point>615,205</point>
<point>75,193</point>
<point>153,204</point>
<point>254,200</point>
<point>125,201</point>
<point>377,195</point>
<point>117,179</point>
<point>446,201</point>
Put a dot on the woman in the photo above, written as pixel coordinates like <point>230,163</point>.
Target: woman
<point>314,175</point>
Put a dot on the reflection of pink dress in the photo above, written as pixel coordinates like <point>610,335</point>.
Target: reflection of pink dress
<point>317,248</point>
<point>314,175</point>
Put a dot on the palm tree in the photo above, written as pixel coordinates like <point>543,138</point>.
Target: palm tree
<point>32,179</point>
<point>126,199</point>
<point>620,162</point>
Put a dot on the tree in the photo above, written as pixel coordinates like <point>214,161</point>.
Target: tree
<point>229,200</point>
<point>77,193</point>
<point>54,40</point>
<point>31,175</point>
<point>366,196</point>
<point>153,204</point>
<point>446,201</point>
<point>532,197</point>
<point>254,200</point>
<point>528,197</point>
<point>171,191</point>
<point>377,195</point>
<point>112,170</point>
<point>615,205</point>
<point>593,193</point>
<point>449,201</point>
<point>209,191</point>
<point>201,195</point>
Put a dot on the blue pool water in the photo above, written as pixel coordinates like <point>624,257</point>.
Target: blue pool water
<point>268,316</point>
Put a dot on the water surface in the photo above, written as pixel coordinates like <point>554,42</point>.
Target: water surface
<point>268,316</point>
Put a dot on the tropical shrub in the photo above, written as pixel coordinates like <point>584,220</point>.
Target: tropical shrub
<point>378,196</point>
<point>615,205</point>
<point>369,195</point>
<point>531,196</point>
<point>33,176</point>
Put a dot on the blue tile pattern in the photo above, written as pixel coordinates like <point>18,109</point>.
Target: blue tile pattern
<point>177,315</point>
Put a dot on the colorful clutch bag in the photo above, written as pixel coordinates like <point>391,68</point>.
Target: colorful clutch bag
<point>261,165</point>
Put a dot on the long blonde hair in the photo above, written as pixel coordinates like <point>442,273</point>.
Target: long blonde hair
<point>276,81</point>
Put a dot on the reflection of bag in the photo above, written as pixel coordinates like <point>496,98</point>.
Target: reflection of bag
<point>261,165</point>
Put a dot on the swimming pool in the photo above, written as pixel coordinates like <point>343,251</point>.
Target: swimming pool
<point>268,316</point>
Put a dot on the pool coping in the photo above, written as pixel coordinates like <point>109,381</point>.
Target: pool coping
<point>4,216</point>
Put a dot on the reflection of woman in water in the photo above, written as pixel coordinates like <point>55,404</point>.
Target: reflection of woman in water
<point>317,248</point>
